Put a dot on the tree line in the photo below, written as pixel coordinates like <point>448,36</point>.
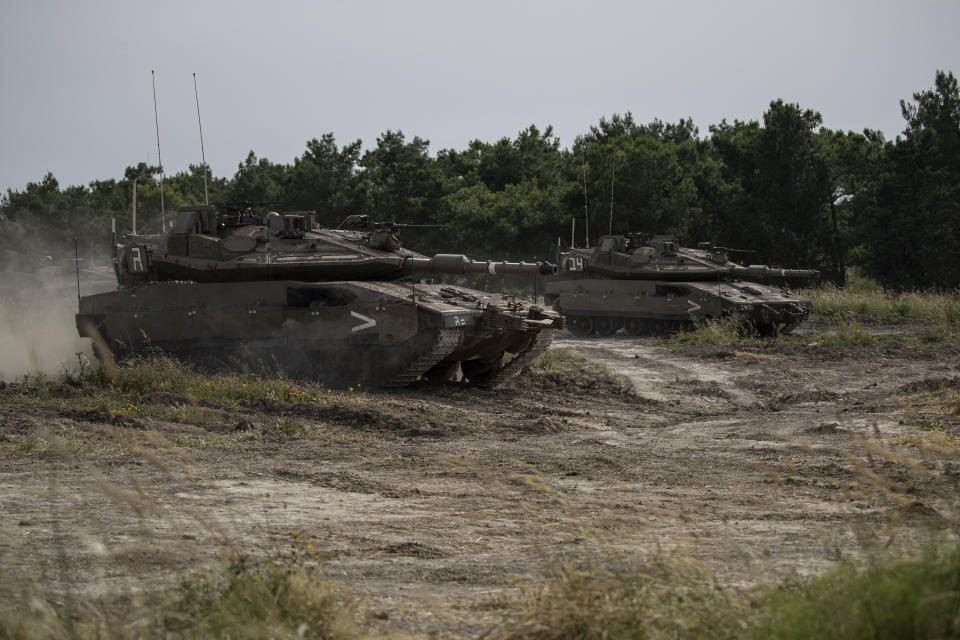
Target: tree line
<point>797,193</point>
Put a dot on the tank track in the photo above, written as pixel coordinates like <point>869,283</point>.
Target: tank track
<point>447,342</point>
<point>515,366</point>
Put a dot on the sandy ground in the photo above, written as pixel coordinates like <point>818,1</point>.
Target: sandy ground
<point>431,503</point>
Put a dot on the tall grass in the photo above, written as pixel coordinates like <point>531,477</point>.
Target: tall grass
<point>243,598</point>
<point>280,598</point>
<point>935,307</point>
<point>620,598</point>
<point>155,385</point>
<point>889,599</point>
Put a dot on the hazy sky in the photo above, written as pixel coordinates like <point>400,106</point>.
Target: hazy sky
<point>77,99</point>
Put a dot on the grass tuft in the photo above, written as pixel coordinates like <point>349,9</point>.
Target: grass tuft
<point>848,334</point>
<point>719,331</point>
<point>892,598</point>
<point>623,598</point>
<point>247,598</point>
<point>562,368</point>
<point>260,599</point>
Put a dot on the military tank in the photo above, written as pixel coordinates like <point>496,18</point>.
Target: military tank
<point>228,288</point>
<point>647,284</point>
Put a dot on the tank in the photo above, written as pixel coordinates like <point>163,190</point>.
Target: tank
<point>647,284</point>
<point>230,289</point>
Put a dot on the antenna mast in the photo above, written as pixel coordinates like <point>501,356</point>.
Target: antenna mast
<point>156,121</point>
<point>613,172</point>
<point>586,210</point>
<point>76,262</point>
<point>206,196</point>
<point>135,204</point>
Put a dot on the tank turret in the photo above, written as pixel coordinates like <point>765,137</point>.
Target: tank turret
<point>275,290</point>
<point>235,246</point>
<point>649,284</point>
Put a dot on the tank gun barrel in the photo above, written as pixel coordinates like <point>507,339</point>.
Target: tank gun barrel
<point>460,264</point>
<point>763,271</point>
<point>246,204</point>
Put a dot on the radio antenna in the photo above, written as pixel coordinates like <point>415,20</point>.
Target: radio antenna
<point>613,172</point>
<point>586,209</point>
<point>156,122</point>
<point>203,157</point>
<point>76,261</point>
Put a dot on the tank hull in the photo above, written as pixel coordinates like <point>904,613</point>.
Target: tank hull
<point>371,332</point>
<point>659,307</point>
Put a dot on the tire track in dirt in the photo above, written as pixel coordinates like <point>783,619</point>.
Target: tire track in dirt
<point>650,369</point>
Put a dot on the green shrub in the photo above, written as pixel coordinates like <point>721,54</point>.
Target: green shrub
<point>894,598</point>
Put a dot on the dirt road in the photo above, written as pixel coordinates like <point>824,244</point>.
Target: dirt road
<point>432,502</point>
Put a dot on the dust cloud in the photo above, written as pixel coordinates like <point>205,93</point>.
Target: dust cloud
<point>38,333</point>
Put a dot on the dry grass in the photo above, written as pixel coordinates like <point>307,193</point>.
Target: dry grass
<point>934,406</point>
<point>934,307</point>
<point>240,598</point>
<point>620,597</point>
<point>720,331</point>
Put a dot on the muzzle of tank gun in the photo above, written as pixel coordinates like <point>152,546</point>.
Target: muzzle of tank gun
<point>763,271</point>
<point>460,264</point>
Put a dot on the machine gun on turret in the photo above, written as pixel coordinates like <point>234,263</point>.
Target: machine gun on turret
<point>363,221</point>
<point>384,235</point>
<point>237,212</point>
<point>712,248</point>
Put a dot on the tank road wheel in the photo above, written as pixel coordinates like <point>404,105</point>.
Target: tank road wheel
<point>479,370</point>
<point>659,328</point>
<point>444,372</point>
<point>607,325</point>
<point>633,326</point>
<point>788,327</point>
<point>580,326</point>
